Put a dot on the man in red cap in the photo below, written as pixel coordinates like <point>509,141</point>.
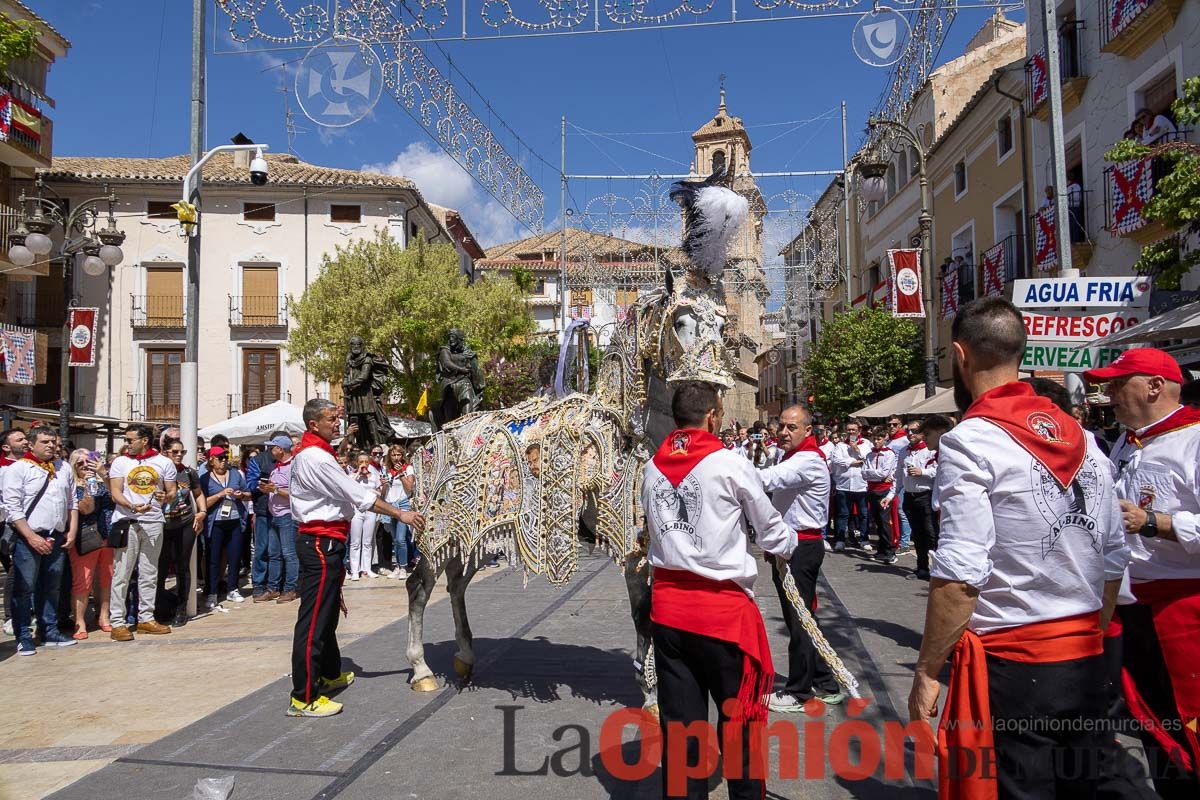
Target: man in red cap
<point>1160,508</point>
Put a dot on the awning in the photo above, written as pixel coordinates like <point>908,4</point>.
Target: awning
<point>256,426</point>
<point>1178,323</point>
<point>942,402</point>
<point>899,403</point>
<point>80,422</point>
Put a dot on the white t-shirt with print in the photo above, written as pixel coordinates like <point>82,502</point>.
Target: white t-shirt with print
<point>143,477</point>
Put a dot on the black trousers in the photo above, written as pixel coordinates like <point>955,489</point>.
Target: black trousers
<point>918,507</point>
<point>1051,738</point>
<point>691,669</point>
<point>315,652</point>
<point>881,519</point>
<point>178,542</point>
<point>1142,657</point>
<point>808,674</point>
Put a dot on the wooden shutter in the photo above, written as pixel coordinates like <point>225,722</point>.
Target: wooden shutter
<point>163,384</point>
<point>164,296</point>
<point>260,378</point>
<point>260,296</point>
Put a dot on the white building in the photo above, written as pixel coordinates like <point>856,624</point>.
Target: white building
<point>260,244</point>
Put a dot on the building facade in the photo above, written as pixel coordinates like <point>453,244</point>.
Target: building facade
<point>261,245</point>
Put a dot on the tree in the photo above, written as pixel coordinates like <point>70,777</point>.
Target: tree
<point>18,39</point>
<point>403,302</point>
<point>861,357</point>
<point>1176,200</point>
<point>511,380</point>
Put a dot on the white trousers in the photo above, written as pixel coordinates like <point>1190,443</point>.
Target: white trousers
<point>361,551</point>
<point>142,550</point>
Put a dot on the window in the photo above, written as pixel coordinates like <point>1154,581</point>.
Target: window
<point>718,161</point>
<point>260,295</point>
<point>1004,136</point>
<point>258,212</point>
<point>163,384</point>
<point>160,209</point>
<point>914,162</point>
<point>891,181</point>
<point>960,179</point>
<point>1158,94</point>
<point>260,378</point>
<point>539,287</point>
<point>345,213</point>
<point>412,231</point>
<point>164,297</point>
<point>902,167</point>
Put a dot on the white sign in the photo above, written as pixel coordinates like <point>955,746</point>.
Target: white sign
<point>1078,330</point>
<point>1091,292</point>
<point>1063,357</point>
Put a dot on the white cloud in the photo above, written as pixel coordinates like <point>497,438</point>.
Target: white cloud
<point>442,181</point>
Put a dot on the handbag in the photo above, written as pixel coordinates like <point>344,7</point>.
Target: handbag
<point>88,538</point>
<point>118,534</point>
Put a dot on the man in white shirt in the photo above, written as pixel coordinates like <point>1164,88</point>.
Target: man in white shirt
<point>40,503</point>
<point>879,471</point>
<point>1159,490</point>
<point>709,636</point>
<point>140,482</point>
<point>919,471</point>
<point>898,441</point>
<point>847,461</point>
<point>799,487</point>
<point>13,445</point>
<point>324,499</point>
<point>1029,560</point>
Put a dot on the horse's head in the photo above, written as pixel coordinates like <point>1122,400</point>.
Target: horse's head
<point>692,343</point>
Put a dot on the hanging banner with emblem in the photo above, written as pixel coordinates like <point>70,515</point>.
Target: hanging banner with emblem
<point>950,294</point>
<point>905,273</point>
<point>83,337</point>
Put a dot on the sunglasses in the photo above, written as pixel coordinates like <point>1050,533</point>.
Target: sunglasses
<point>177,452</point>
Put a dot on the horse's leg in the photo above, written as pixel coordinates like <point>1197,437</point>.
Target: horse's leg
<point>637,574</point>
<point>458,575</point>
<point>420,587</point>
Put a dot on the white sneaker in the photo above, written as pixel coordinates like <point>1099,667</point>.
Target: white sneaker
<point>828,547</point>
<point>354,577</point>
<point>8,627</point>
<point>784,703</point>
<point>371,574</point>
<point>867,548</point>
<point>384,572</point>
<point>235,596</point>
<point>400,574</point>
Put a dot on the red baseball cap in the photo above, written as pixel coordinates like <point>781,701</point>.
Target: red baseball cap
<point>1139,361</point>
<point>215,452</point>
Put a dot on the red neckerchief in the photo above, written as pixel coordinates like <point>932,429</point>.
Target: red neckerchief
<point>310,439</point>
<point>150,453</point>
<point>682,451</point>
<point>824,442</point>
<point>5,461</point>
<point>918,446</point>
<point>898,434</point>
<point>933,458</point>
<point>880,449</point>
<point>394,472</point>
<point>1182,417</point>
<point>279,464</point>
<point>1041,428</point>
<point>48,466</point>
<point>377,465</point>
<point>809,445</point>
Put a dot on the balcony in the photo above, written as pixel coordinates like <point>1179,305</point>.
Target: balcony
<point>156,311</point>
<point>40,309</point>
<point>257,311</point>
<point>28,143</point>
<point>1004,263</point>
<point>243,404</point>
<point>1072,75</point>
<point>1042,232</point>
<point>140,408</point>
<point>1128,27</point>
<point>1128,187</point>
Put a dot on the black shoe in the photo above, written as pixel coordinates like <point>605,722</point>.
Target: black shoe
<point>889,558</point>
<point>922,574</point>
<point>181,619</point>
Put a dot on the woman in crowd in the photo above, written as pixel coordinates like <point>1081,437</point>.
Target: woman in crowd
<point>225,495</point>
<point>361,551</point>
<point>184,522</point>
<point>398,485</point>
<point>93,498</point>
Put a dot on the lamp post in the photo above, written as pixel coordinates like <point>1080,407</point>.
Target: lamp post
<point>873,187</point>
<point>101,251</point>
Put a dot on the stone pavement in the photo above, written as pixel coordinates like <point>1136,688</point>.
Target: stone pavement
<point>214,704</point>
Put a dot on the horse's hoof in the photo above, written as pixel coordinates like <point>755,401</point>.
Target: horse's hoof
<point>426,684</point>
<point>652,710</point>
<point>463,669</point>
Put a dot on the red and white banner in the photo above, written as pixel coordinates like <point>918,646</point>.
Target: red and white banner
<point>859,302</point>
<point>83,337</point>
<point>993,270</point>
<point>950,294</point>
<point>881,295</point>
<point>904,271</point>
<point>1045,247</point>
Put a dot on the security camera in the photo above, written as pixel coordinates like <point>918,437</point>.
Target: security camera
<point>258,169</point>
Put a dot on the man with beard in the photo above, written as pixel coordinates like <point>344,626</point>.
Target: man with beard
<point>1029,561</point>
<point>1160,507</point>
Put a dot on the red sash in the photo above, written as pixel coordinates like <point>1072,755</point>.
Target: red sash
<point>1175,606</point>
<point>720,609</point>
<point>967,703</point>
<point>334,529</point>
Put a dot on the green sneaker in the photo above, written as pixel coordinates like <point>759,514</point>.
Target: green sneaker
<point>340,682</point>
<point>832,699</point>
<point>321,707</point>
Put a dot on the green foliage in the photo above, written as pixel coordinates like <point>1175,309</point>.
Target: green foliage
<point>18,39</point>
<point>402,302</point>
<point>511,380</point>
<point>1176,200</point>
<point>861,357</point>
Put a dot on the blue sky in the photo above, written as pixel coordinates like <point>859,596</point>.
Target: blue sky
<point>123,91</point>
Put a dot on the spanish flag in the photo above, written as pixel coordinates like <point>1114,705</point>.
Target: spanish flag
<point>423,403</point>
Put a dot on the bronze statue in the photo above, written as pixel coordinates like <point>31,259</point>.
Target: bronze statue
<point>460,378</point>
<point>363,387</point>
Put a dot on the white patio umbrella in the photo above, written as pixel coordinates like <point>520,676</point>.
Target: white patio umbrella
<point>899,403</point>
<point>258,425</point>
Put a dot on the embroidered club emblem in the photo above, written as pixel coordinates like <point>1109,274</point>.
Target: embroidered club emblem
<point>1044,426</point>
<point>679,444</point>
<point>1146,496</point>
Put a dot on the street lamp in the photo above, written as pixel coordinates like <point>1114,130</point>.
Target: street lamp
<point>101,250</point>
<point>926,224</point>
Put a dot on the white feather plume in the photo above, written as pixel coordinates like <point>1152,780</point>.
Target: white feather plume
<point>719,214</point>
